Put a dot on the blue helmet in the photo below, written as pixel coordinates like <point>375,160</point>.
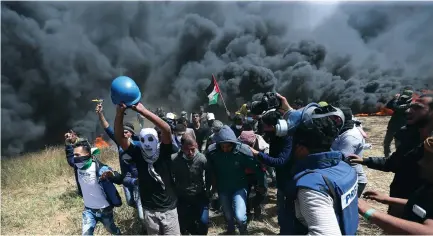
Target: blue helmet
<point>125,90</point>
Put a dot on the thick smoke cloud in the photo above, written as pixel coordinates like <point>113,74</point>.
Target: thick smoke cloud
<point>57,56</point>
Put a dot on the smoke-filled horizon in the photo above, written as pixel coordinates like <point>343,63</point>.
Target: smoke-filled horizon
<point>57,56</point>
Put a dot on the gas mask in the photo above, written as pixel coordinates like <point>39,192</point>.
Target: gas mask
<point>149,144</point>
<point>287,125</point>
<point>275,118</point>
<point>310,113</point>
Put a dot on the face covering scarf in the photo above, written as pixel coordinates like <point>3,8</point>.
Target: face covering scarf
<point>150,151</point>
<point>83,162</point>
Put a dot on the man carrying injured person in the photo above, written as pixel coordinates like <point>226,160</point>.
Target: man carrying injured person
<point>228,159</point>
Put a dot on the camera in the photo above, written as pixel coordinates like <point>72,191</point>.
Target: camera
<point>269,101</point>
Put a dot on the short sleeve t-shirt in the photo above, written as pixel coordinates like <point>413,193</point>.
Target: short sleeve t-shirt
<point>419,206</point>
<point>153,196</point>
<point>201,134</point>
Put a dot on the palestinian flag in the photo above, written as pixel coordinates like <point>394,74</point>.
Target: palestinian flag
<point>213,91</point>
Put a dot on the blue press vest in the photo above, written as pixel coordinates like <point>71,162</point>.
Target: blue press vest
<point>317,172</point>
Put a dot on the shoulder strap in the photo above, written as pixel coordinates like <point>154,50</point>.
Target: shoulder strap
<point>97,167</point>
<point>304,174</point>
<point>332,192</point>
<point>331,189</point>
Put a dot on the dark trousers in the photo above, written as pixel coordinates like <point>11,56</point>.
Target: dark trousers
<point>389,136</point>
<point>257,200</point>
<point>193,214</point>
<point>361,187</point>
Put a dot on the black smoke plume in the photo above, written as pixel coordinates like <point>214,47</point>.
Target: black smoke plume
<point>57,56</point>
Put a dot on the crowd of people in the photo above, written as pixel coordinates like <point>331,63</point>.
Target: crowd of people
<point>179,169</point>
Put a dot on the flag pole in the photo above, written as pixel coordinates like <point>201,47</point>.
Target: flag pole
<point>221,93</point>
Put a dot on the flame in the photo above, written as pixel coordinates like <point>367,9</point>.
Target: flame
<point>101,143</point>
<point>383,111</point>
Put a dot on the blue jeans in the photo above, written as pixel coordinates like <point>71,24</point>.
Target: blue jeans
<point>235,202</point>
<point>133,199</point>
<point>105,216</point>
<point>129,197</point>
<point>193,214</point>
<point>283,213</point>
<point>137,201</point>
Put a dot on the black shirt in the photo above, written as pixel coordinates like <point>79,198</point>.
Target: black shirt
<point>422,200</point>
<point>236,131</point>
<point>403,162</point>
<point>201,134</point>
<point>153,196</point>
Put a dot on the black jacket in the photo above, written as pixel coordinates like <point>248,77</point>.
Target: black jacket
<point>398,118</point>
<point>403,162</point>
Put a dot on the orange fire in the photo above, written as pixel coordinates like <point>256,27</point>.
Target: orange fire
<point>101,143</point>
<point>383,111</point>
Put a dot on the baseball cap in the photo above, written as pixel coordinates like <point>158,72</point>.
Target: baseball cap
<point>407,94</point>
<point>210,116</point>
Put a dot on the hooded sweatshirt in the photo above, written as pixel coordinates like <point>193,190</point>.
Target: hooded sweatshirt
<point>228,168</point>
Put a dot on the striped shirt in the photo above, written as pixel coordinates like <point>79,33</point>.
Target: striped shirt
<point>315,210</point>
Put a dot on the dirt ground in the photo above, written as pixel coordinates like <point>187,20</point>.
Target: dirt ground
<point>38,194</point>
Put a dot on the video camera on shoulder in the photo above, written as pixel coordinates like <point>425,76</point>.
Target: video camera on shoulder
<point>269,101</point>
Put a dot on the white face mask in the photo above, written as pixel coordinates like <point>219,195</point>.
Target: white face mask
<point>149,143</point>
<point>238,126</point>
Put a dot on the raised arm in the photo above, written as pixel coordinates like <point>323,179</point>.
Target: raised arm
<point>122,141</point>
<point>104,123</point>
<point>158,122</point>
<point>69,150</point>
<point>99,111</point>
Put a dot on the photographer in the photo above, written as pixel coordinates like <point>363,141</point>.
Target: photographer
<point>279,151</point>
